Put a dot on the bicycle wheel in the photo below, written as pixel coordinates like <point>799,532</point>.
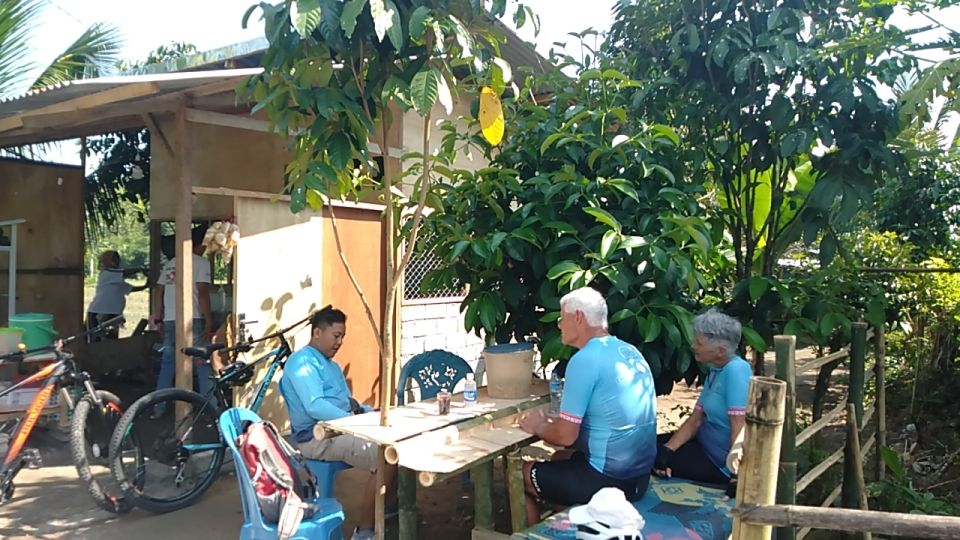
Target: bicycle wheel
<point>90,432</point>
<point>166,463</point>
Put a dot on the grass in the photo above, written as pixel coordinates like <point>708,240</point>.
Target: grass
<point>138,307</point>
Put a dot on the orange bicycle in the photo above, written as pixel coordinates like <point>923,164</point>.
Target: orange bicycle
<point>93,417</point>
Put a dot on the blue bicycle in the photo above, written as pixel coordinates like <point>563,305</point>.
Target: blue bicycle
<point>166,462</point>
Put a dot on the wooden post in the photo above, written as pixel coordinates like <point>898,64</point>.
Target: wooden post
<point>785,347</point>
<point>153,272</point>
<point>379,499</point>
<point>482,476</point>
<point>880,351</point>
<point>854,490</point>
<point>407,499</point>
<point>516,495</point>
<point>184,255</point>
<point>758,469</point>
<point>858,356</point>
<point>840,519</point>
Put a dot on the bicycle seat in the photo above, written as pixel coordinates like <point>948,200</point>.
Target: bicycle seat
<point>203,352</point>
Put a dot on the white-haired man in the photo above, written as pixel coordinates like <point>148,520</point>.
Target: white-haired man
<point>608,414</point>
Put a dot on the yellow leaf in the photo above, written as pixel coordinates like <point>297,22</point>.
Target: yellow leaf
<point>491,116</point>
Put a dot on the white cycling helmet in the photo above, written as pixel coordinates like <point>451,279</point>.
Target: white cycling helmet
<point>608,516</point>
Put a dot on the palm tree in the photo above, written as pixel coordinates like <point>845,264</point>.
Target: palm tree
<point>95,52</point>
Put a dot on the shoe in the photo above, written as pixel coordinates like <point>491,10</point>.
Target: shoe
<point>362,534</point>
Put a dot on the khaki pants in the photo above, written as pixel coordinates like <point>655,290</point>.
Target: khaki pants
<point>359,453</point>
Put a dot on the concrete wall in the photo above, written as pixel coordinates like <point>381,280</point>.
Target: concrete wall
<point>436,324</point>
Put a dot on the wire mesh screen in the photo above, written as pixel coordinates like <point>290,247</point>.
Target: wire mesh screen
<point>421,264</point>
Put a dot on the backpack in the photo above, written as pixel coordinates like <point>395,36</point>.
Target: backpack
<point>284,486</point>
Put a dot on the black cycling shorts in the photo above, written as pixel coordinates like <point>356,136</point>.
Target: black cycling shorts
<point>574,481</point>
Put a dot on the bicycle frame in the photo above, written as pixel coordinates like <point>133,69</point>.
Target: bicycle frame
<point>279,356</point>
<point>54,375</point>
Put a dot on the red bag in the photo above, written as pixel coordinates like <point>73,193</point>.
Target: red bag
<point>284,486</point>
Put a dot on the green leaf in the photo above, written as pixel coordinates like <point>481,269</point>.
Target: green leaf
<point>340,150</point>
<point>828,249</point>
<point>621,315</point>
<point>348,19</point>
<point>693,38</point>
<point>552,138</point>
<point>652,329</point>
<point>501,74</point>
<point>305,16</point>
<point>609,243</point>
<point>298,198</point>
<point>562,268</point>
<point>418,21</point>
<point>458,249</point>
<point>604,217</point>
<point>876,312</point>
<point>757,286</point>
<point>753,339</point>
<point>666,131</point>
<point>424,89</point>
<point>443,93</point>
<point>892,460</point>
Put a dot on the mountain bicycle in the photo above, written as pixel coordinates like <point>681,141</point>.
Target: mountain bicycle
<point>165,464</point>
<point>94,416</point>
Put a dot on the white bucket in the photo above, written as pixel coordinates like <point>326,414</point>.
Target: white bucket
<point>10,339</point>
<point>509,370</point>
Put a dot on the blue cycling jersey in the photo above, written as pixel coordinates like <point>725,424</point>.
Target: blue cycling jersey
<point>609,391</point>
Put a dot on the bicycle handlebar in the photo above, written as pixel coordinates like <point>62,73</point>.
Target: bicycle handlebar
<point>206,351</point>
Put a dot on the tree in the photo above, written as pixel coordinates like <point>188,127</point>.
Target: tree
<point>121,181</point>
<point>331,73</point>
<point>581,193</point>
<point>777,105</point>
<point>90,55</point>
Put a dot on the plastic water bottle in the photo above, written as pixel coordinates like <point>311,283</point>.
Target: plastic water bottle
<point>470,391</point>
<point>556,393</point>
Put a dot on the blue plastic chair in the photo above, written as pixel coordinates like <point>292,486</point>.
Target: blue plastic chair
<point>325,471</point>
<point>325,524</point>
<point>432,370</point>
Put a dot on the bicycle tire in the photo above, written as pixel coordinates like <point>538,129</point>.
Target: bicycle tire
<point>80,441</point>
<point>134,486</point>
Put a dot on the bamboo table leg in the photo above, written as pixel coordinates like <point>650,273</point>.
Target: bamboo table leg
<point>379,525</point>
<point>515,492</point>
<point>407,500</point>
<point>483,495</point>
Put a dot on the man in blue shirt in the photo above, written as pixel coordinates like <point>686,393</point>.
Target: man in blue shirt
<point>314,389</point>
<point>608,414</point>
<point>698,450</point>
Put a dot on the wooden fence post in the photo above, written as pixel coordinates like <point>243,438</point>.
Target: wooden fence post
<point>758,469</point>
<point>858,357</point>
<point>880,351</point>
<point>785,347</point>
<point>855,490</point>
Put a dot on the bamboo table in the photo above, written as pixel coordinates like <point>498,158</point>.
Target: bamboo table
<point>429,447</point>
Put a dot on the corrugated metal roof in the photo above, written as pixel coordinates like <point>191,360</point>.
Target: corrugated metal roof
<point>165,82</point>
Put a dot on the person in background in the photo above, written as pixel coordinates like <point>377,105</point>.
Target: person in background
<point>608,414</point>
<point>699,450</point>
<point>202,319</point>
<point>110,297</point>
<point>314,389</point>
